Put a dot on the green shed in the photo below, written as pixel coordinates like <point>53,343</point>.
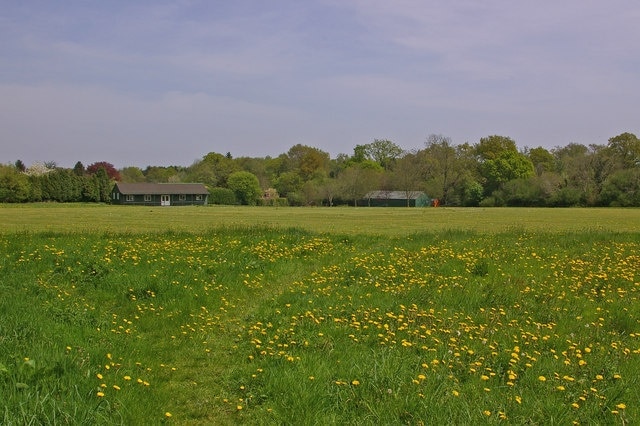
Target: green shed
<point>159,194</point>
<point>396,199</point>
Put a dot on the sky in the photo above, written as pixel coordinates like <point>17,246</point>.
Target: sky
<point>153,82</point>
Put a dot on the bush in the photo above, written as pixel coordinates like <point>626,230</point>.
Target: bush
<point>223,196</point>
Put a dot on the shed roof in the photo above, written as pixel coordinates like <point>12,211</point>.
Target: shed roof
<point>161,188</point>
<point>394,195</point>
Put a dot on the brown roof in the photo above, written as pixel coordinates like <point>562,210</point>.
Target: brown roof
<point>161,188</point>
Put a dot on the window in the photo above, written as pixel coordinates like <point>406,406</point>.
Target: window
<point>183,197</point>
<point>130,197</point>
<point>147,197</point>
<point>198,197</point>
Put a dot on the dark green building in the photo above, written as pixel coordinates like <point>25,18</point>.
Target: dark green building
<point>396,199</point>
<point>159,194</point>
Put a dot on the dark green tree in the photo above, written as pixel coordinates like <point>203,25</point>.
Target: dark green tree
<point>78,169</point>
<point>506,166</point>
<point>14,185</point>
<point>626,150</point>
<point>246,187</point>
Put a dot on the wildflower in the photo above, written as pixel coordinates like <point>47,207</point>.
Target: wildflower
<point>542,378</point>
<point>621,406</point>
<point>455,393</point>
<point>168,414</point>
<point>127,378</point>
<point>100,394</point>
<point>560,388</point>
<point>116,387</point>
<point>239,407</point>
<point>99,376</point>
<point>486,413</point>
<point>518,399</point>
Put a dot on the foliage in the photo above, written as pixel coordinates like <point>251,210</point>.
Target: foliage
<point>504,167</point>
<point>109,168</point>
<point>224,196</point>
<point>622,189</point>
<point>14,185</point>
<point>571,175</point>
<point>246,187</point>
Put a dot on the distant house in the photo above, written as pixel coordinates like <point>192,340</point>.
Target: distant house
<point>159,194</point>
<point>397,199</point>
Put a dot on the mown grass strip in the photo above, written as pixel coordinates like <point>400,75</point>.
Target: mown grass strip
<point>339,220</point>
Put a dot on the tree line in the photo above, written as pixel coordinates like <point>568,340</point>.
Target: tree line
<point>491,172</point>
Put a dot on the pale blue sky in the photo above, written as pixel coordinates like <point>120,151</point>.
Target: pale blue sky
<point>165,82</point>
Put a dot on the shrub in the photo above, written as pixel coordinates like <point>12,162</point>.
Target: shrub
<point>223,196</point>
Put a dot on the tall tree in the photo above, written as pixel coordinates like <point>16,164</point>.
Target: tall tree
<point>78,169</point>
<point>626,149</point>
<point>111,171</point>
<point>407,176</point>
<point>443,168</point>
<point>132,174</point>
<point>20,166</point>
<point>308,162</point>
<point>506,166</point>
<point>246,187</point>
<point>491,147</point>
<point>14,185</point>
<point>356,181</point>
<point>542,160</point>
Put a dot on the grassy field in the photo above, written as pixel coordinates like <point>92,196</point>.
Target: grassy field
<point>318,316</point>
<point>343,220</point>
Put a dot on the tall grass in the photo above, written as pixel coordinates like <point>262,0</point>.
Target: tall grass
<point>264,325</point>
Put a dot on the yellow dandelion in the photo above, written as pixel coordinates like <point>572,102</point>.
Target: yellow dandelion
<point>486,413</point>
<point>116,387</point>
<point>455,393</point>
<point>518,399</point>
<point>560,388</point>
<point>239,407</point>
<point>127,378</point>
<point>621,406</point>
<point>575,405</point>
<point>168,414</point>
<point>100,394</point>
<point>99,376</point>
<point>542,378</point>
<point>483,377</point>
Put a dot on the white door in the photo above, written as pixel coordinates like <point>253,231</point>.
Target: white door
<point>165,200</point>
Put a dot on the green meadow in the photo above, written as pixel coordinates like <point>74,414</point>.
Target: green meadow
<point>239,315</point>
